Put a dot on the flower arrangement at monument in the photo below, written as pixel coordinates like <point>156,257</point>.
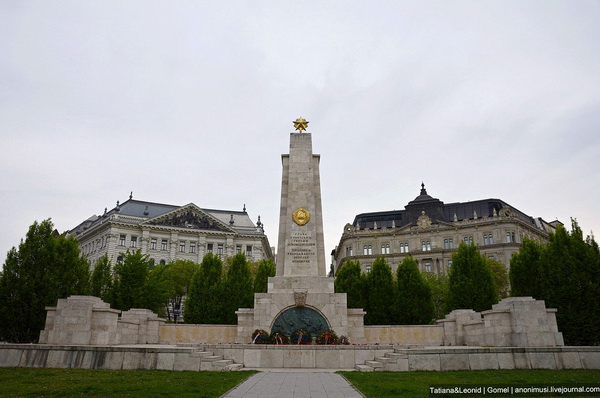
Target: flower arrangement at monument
<point>278,338</point>
<point>260,337</point>
<point>300,336</point>
<point>344,340</point>
<point>327,337</point>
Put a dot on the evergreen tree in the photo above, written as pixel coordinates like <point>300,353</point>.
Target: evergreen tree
<point>102,278</point>
<point>136,285</point>
<point>351,280</point>
<point>266,269</point>
<point>414,305</point>
<point>204,303</point>
<point>379,300</point>
<point>46,267</point>
<point>238,288</point>
<point>500,277</point>
<point>525,271</point>
<point>438,283</point>
<point>571,284</point>
<point>470,281</point>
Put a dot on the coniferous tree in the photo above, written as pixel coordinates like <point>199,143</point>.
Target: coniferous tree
<point>237,288</point>
<point>204,302</point>
<point>266,269</point>
<point>414,305</point>
<point>379,297</point>
<point>136,285</point>
<point>571,283</point>
<point>525,271</point>
<point>470,281</point>
<point>45,267</point>
<point>102,279</point>
<point>351,280</point>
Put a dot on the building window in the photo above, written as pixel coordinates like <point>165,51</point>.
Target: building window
<point>367,250</point>
<point>163,245</point>
<point>209,248</point>
<point>238,249</point>
<point>220,249</point>
<point>448,243</point>
<point>182,246</point>
<point>488,239</point>
<point>151,264</point>
<point>134,241</point>
<point>404,247</point>
<point>122,240</point>
<point>426,245</point>
<point>469,240</point>
<point>248,251</point>
<point>192,247</point>
<point>368,269</point>
<point>120,259</point>
<point>153,244</point>
<point>385,249</point>
<point>349,251</point>
<point>510,237</point>
<point>162,262</point>
<point>428,266</point>
<point>449,264</point>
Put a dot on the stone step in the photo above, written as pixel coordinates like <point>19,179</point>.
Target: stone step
<point>212,358</point>
<point>395,355</point>
<point>364,368</point>
<point>222,363</point>
<point>201,354</point>
<point>374,364</point>
<point>384,360</point>
<point>234,367</point>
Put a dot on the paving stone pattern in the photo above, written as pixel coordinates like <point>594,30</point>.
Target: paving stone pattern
<point>296,385</point>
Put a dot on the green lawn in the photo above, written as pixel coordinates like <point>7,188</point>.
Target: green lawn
<point>416,384</point>
<point>27,382</point>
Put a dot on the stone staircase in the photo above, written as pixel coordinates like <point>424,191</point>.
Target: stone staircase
<point>389,362</point>
<point>211,362</point>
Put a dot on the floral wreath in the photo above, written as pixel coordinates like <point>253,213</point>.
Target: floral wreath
<point>260,337</point>
<point>278,338</point>
<point>300,336</point>
<point>327,337</point>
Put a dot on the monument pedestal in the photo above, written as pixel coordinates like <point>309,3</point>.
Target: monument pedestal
<point>300,295</point>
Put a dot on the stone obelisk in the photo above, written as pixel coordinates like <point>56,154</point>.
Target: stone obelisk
<point>300,295</point>
<point>301,250</point>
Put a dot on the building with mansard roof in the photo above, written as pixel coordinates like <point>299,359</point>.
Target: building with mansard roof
<point>169,232</point>
<point>430,231</point>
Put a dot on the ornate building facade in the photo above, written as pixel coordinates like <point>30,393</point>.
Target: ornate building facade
<point>167,232</point>
<point>430,231</point>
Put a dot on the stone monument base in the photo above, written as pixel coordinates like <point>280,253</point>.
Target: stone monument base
<point>301,302</point>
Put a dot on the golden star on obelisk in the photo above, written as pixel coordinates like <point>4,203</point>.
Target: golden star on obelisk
<point>300,124</point>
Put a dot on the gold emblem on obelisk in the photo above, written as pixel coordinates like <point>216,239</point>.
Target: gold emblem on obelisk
<point>301,216</point>
<point>301,124</point>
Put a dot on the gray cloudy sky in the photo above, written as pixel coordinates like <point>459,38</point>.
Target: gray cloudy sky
<point>192,101</point>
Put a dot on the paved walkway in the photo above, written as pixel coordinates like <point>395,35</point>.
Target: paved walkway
<point>296,384</point>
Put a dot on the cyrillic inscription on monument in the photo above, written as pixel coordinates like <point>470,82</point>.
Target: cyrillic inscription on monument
<point>301,247</point>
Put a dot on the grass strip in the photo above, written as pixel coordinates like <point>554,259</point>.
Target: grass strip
<point>416,384</point>
<point>28,382</point>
